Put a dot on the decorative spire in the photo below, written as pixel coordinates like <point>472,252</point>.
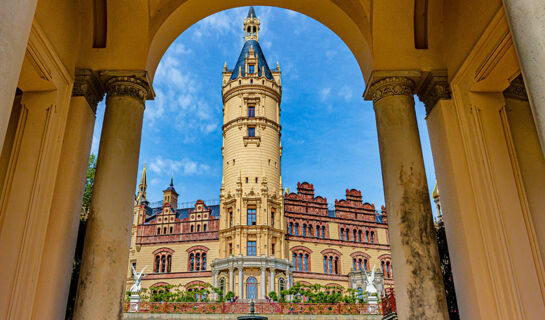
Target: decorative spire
<point>172,180</point>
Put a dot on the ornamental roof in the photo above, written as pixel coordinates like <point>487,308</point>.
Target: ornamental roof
<point>261,62</point>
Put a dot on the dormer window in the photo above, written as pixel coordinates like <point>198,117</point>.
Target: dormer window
<point>251,69</point>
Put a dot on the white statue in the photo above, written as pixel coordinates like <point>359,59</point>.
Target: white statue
<point>370,288</point>
<point>137,278</point>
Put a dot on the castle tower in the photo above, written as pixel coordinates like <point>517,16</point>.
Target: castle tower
<point>252,227</point>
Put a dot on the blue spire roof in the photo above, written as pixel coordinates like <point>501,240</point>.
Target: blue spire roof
<point>251,13</point>
<point>261,62</point>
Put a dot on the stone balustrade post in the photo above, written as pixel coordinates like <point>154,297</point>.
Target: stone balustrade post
<point>417,272</point>
<point>271,279</point>
<point>104,264</point>
<point>232,279</point>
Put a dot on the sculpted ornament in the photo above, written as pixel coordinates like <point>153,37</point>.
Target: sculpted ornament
<point>370,287</point>
<point>137,280</point>
<point>392,86</point>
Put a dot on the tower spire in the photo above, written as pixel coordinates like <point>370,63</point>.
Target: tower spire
<point>251,26</point>
<point>142,187</point>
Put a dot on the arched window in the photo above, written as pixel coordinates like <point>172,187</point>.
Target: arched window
<point>359,235</point>
<point>251,288</point>
<point>325,264</point>
<point>222,285</point>
<point>355,232</point>
<point>192,262</point>
<point>199,228</point>
<point>372,237</point>
<point>165,230</point>
<point>323,232</point>
<point>197,262</point>
<point>336,265</point>
<point>204,227</point>
<point>192,228</point>
<point>365,264</point>
<point>317,231</point>
<point>157,263</point>
<point>342,234</point>
<point>281,285</point>
<point>230,218</point>
<point>159,230</point>
<point>163,263</point>
<point>296,229</point>
<point>306,262</point>
<point>330,264</point>
<point>304,230</point>
<point>367,236</point>
<point>347,235</point>
<point>300,262</point>
<point>291,228</point>
<point>171,230</point>
<point>382,268</point>
<point>203,261</point>
<point>309,230</point>
<point>294,258</point>
<point>169,262</point>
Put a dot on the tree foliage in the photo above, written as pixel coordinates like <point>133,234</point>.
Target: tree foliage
<point>89,182</point>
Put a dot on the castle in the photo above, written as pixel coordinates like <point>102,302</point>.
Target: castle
<point>258,238</point>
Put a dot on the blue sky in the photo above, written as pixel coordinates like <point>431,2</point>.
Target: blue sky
<point>328,131</point>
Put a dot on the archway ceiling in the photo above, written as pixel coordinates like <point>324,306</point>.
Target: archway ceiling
<point>380,34</point>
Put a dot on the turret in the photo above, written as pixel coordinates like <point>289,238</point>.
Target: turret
<point>170,196</point>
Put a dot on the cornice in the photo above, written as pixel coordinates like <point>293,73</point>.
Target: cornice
<point>434,88</point>
<point>87,85</point>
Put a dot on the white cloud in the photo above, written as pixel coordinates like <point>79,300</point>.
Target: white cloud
<point>185,166</point>
<point>330,53</point>
<point>324,93</point>
<point>345,92</point>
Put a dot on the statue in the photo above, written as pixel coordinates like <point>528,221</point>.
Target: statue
<point>370,287</point>
<point>137,278</point>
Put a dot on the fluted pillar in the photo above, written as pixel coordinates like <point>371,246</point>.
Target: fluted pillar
<point>527,22</point>
<point>271,279</point>
<point>419,286</point>
<point>263,288</point>
<point>58,256</point>
<point>105,254</point>
<point>232,279</point>
<point>240,282</point>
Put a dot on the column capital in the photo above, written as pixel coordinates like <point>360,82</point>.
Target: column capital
<point>390,86</point>
<point>516,90</point>
<point>131,83</point>
<point>434,88</point>
<point>87,85</point>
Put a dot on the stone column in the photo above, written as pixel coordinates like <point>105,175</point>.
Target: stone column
<point>240,282</point>
<point>17,16</point>
<point>215,283</point>
<point>527,22</point>
<point>417,273</point>
<point>263,280</point>
<point>271,279</point>
<point>232,279</point>
<point>105,254</point>
<point>58,255</point>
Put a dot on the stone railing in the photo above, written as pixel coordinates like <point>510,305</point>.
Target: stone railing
<point>260,308</point>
